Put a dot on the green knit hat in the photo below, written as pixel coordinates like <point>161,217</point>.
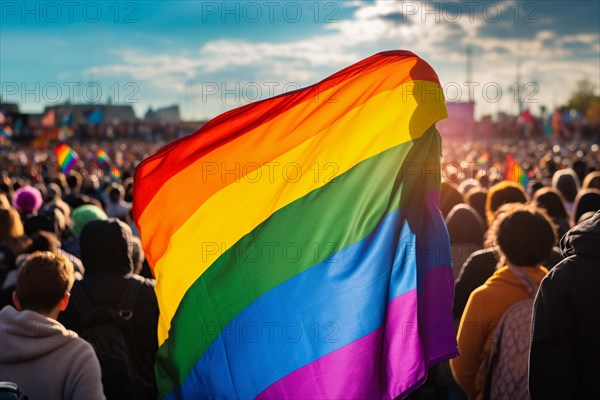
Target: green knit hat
<point>84,214</point>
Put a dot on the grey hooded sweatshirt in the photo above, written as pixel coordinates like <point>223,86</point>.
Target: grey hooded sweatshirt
<point>46,360</point>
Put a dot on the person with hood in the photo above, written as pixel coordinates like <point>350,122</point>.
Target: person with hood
<point>525,236</point>
<point>81,216</point>
<point>565,346</point>
<point>567,183</point>
<point>106,253</point>
<point>552,201</point>
<point>466,231</point>
<point>41,356</point>
<point>592,181</point>
<point>587,200</point>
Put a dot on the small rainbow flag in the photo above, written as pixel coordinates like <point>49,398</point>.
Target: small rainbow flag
<point>513,171</point>
<point>103,158</point>
<point>297,251</point>
<point>6,133</point>
<point>484,158</point>
<point>67,157</point>
<point>115,173</point>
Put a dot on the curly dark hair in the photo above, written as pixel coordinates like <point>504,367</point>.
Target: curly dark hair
<point>522,234</point>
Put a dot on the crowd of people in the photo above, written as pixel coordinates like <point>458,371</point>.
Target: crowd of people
<point>70,255</point>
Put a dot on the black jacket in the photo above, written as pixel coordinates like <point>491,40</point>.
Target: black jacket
<point>106,255</point>
<point>565,349</point>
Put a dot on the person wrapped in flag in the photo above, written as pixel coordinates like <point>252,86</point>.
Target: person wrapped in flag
<point>297,242</point>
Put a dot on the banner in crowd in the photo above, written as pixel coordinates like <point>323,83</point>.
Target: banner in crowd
<point>297,242</point>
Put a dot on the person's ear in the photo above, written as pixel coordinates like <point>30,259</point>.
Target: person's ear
<point>16,301</point>
<point>64,302</point>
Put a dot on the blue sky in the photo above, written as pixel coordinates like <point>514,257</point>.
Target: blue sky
<point>211,56</point>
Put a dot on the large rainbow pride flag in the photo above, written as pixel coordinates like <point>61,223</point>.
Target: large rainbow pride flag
<point>297,243</point>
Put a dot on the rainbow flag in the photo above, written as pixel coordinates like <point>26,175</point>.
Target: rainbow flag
<point>484,158</point>
<point>297,242</point>
<point>67,157</point>
<point>115,173</point>
<point>514,172</point>
<point>103,158</point>
<point>6,133</point>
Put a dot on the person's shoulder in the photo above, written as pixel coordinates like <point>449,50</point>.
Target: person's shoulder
<point>76,343</point>
<point>494,283</point>
<point>574,267</point>
<point>146,294</point>
<point>140,280</point>
<point>482,256</point>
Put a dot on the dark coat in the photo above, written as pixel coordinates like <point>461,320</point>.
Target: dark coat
<point>565,349</point>
<point>106,255</point>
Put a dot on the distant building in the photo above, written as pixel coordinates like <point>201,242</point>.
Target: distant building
<point>9,109</point>
<point>111,113</point>
<point>164,115</point>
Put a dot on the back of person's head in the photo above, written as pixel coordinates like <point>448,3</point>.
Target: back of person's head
<point>83,215</point>
<point>502,193</point>
<point>468,184</point>
<point>552,201</point>
<point>592,181</point>
<point>43,241</point>
<point>57,217</point>
<point>533,187</point>
<point>38,223</point>
<point>566,182</point>
<point>27,199</point>
<point>53,192</point>
<point>106,247</point>
<point>580,168</point>
<point>11,226</point>
<point>476,198</point>
<point>43,281</point>
<point>117,193</point>
<point>465,225</point>
<point>586,201</point>
<point>524,235</point>
<point>91,184</point>
<point>483,178</point>
<point>449,197</point>
<point>74,180</point>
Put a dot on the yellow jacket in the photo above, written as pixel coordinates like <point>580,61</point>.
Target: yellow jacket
<point>482,313</point>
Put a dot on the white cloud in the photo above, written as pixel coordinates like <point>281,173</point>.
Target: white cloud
<point>373,27</point>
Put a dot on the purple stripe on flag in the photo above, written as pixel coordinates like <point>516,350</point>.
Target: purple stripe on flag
<point>387,362</point>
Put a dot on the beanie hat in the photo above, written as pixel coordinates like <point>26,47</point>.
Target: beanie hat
<point>27,199</point>
<point>84,214</point>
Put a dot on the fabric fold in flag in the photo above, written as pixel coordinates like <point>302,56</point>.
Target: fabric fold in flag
<point>297,242</point>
